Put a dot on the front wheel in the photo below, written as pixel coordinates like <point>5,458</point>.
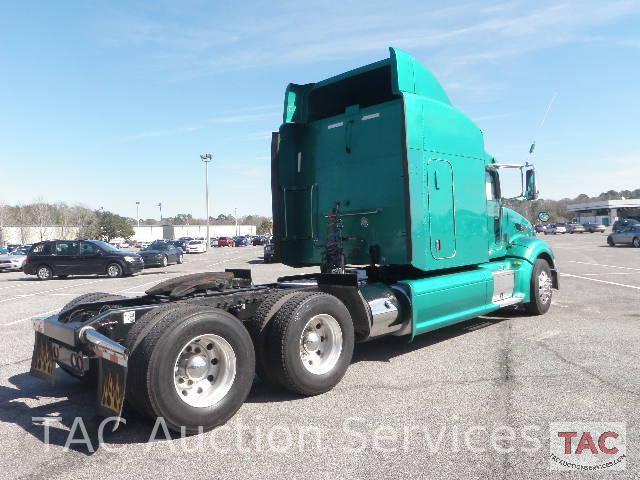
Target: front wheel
<point>636,242</point>
<point>541,289</point>
<point>114,270</point>
<point>165,261</point>
<point>610,242</point>
<point>180,259</point>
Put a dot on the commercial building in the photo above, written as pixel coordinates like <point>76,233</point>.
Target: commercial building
<point>605,211</point>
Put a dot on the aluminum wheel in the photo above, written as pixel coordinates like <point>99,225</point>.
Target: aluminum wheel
<point>44,273</point>
<point>321,344</point>
<point>113,270</point>
<point>204,370</point>
<point>544,287</point>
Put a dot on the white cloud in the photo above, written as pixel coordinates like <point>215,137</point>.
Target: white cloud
<point>459,36</point>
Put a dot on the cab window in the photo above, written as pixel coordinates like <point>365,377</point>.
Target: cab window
<point>67,248</point>
<point>492,185</point>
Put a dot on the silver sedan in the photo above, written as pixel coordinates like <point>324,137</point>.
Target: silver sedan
<point>13,261</point>
<point>627,236</point>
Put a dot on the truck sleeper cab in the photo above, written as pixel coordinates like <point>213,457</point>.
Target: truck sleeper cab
<point>379,181</point>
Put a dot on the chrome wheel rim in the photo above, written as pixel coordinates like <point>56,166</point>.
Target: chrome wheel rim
<point>204,370</point>
<point>320,344</point>
<point>164,262</point>
<point>544,287</point>
<point>43,272</point>
<point>113,271</point>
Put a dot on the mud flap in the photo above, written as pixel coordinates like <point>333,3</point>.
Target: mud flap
<point>43,364</point>
<point>112,381</point>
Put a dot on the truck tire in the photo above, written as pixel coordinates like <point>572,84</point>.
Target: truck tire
<point>310,344</point>
<point>258,325</point>
<point>215,359</point>
<point>136,334</point>
<point>541,288</point>
<point>91,298</point>
<point>92,374</point>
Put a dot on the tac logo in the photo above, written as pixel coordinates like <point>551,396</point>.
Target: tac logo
<point>587,446</point>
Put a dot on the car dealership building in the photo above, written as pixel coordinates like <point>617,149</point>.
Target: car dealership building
<point>605,211</point>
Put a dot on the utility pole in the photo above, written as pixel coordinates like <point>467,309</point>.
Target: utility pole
<point>235,215</point>
<point>160,206</point>
<point>206,158</point>
<point>138,213</point>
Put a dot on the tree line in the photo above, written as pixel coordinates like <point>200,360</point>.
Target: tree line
<point>557,209</point>
<point>103,224</point>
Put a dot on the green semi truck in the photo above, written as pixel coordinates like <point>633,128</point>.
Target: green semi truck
<point>378,180</point>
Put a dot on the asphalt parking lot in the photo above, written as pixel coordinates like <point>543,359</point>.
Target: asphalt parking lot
<point>402,411</point>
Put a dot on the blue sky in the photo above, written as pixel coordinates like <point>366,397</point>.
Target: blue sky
<point>109,104</point>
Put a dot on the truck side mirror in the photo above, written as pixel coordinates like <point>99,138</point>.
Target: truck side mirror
<point>530,193</point>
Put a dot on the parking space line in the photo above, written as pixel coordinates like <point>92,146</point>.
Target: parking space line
<point>18,297</point>
<point>602,265</point>
<point>129,289</point>
<point>41,314</point>
<point>600,281</point>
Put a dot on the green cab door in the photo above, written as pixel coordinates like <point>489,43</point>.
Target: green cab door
<point>442,221</point>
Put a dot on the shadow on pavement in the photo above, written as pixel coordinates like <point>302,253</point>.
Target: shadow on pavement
<point>69,399</point>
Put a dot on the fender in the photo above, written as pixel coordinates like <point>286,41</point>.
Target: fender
<point>530,249</point>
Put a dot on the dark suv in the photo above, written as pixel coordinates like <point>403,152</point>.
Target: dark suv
<point>62,258</point>
<point>620,225</point>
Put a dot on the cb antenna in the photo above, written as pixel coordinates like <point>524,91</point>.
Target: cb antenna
<point>544,119</point>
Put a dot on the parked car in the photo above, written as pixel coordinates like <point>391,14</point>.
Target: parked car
<point>619,225</point>
<point>14,261</point>
<point>628,236</point>
<point>539,228</point>
<point>214,241</point>
<point>4,250</point>
<point>181,244</point>
<point>556,228</point>
<point>594,227</point>
<point>62,258</point>
<point>161,254</point>
<point>258,240</point>
<point>12,246</point>
<point>240,242</point>
<point>225,242</point>
<point>575,228</point>
<point>269,251</point>
<point>196,246</point>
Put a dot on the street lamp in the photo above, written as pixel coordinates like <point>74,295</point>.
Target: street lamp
<point>138,213</point>
<point>206,158</point>
<point>235,215</point>
<point>160,206</point>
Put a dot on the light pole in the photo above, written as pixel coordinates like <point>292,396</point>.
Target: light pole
<point>206,158</point>
<point>138,213</point>
<point>160,206</point>
<point>235,215</point>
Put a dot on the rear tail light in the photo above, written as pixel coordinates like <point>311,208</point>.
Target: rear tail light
<point>26,260</point>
